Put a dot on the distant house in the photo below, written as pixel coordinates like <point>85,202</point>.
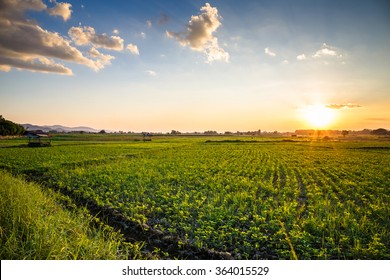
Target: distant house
<point>146,136</point>
<point>38,138</point>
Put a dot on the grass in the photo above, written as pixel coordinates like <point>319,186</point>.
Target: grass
<point>34,226</point>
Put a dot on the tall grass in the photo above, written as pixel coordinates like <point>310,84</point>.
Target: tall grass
<point>34,226</point>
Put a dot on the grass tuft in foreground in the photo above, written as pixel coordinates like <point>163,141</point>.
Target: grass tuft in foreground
<point>34,226</point>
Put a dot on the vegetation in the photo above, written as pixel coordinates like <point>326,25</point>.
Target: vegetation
<point>34,226</point>
<point>380,131</point>
<point>224,196</point>
<point>10,128</point>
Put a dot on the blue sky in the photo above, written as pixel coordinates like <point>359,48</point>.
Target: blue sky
<point>195,65</point>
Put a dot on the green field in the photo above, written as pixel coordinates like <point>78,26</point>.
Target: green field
<point>223,197</point>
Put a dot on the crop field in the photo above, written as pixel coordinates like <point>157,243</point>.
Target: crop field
<point>225,197</point>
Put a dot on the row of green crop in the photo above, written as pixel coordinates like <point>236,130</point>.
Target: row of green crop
<point>22,158</point>
<point>276,200</point>
<point>255,201</point>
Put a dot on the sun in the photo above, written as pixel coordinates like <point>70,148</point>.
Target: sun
<point>318,116</point>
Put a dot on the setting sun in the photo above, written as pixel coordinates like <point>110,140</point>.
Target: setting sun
<point>318,116</point>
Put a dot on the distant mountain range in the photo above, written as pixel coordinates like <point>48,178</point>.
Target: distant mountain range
<point>58,128</point>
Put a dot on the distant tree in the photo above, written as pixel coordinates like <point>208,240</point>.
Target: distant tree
<point>380,131</point>
<point>102,131</point>
<point>345,132</point>
<point>366,131</point>
<point>210,132</point>
<point>10,128</point>
<point>175,132</point>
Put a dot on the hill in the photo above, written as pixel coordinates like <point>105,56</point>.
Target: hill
<point>58,128</point>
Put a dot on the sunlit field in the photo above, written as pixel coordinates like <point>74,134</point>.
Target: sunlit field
<point>236,197</point>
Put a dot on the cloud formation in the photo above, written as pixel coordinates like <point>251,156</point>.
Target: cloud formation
<point>15,9</point>
<point>199,34</point>
<point>269,52</point>
<point>40,64</point>
<point>325,54</point>
<point>343,106</point>
<point>86,35</point>
<point>151,73</point>
<point>25,45</point>
<point>133,49</point>
<point>100,60</point>
<point>327,51</point>
<point>60,9</point>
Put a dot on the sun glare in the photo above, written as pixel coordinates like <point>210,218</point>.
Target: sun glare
<point>318,116</point>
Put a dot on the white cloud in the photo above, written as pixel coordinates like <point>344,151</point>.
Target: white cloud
<point>326,51</point>
<point>151,73</point>
<point>199,34</point>
<point>5,68</point>
<point>87,35</point>
<point>25,45</point>
<point>26,40</point>
<point>214,52</point>
<point>60,9</point>
<point>36,64</point>
<point>133,49</point>
<point>285,62</point>
<point>149,23</point>
<point>115,31</point>
<point>16,9</point>
<point>100,60</point>
<point>301,57</point>
<point>269,52</point>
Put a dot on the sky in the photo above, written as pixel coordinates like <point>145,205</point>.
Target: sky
<point>188,65</point>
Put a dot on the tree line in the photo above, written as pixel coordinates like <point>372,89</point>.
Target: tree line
<point>8,127</point>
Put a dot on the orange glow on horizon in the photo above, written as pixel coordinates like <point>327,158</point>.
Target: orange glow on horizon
<point>318,116</point>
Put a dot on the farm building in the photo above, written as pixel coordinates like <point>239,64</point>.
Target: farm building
<point>38,139</point>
